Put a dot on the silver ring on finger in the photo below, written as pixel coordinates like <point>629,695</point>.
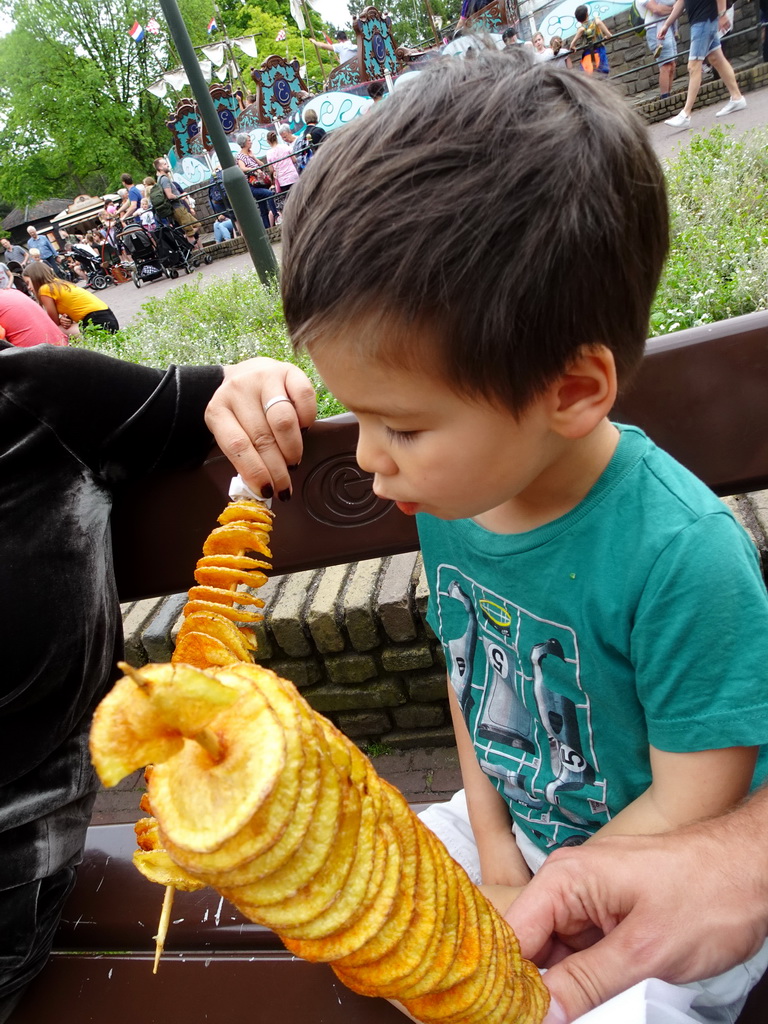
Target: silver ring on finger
<point>274,401</point>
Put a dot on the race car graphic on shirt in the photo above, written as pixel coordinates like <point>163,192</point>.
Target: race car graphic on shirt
<point>516,676</point>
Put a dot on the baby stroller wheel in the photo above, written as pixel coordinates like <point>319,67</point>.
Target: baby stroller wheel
<point>136,279</point>
<point>99,282</point>
<point>207,259</point>
<point>174,274</point>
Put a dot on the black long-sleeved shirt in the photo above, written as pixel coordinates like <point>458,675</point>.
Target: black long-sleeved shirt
<point>72,425</point>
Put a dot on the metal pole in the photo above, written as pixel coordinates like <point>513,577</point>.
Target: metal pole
<point>235,182</point>
<point>431,15</point>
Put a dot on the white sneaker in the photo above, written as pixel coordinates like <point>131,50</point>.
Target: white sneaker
<point>680,120</point>
<point>731,106</point>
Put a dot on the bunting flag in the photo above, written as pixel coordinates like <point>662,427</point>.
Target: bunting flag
<point>247,44</point>
<point>158,88</point>
<point>280,37</point>
<point>212,26</point>
<point>298,15</point>
<point>136,33</point>
<point>176,79</point>
<point>153,27</point>
<point>214,52</point>
<point>207,68</point>
<point>226,69</point>
<point>327,38</point>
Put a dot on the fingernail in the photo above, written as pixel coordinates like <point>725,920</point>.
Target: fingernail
<point>555,1014</point>
<point>267,491</point>
<point>285,495</point>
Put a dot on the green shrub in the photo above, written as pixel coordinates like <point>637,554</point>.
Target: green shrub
<point>718,261</point>
<point>224,321</point>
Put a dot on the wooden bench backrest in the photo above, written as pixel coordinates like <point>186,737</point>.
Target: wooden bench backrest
<point>700,394</point>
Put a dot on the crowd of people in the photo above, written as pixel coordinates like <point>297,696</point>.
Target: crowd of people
<point>59,280</point>
<point>271,179</point>
<point>710,21</point>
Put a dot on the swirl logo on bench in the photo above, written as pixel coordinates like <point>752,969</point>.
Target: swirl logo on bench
<point>338,493</point>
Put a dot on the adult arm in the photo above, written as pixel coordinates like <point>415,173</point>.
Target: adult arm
<point>501,863</point>
<point>673,15</point>
<point>659,10</point>
<point>262,445</point>
<point>680,907</point>
<point>168,189</point>
<point>323,46</point>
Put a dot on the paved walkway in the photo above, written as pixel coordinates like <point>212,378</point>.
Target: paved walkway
<point>667,142</point>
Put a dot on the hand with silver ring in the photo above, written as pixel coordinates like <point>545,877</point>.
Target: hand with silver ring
<point>274,401</point>
<point>261,451</point>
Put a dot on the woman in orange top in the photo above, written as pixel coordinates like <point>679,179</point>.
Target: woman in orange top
<point>62,299</point>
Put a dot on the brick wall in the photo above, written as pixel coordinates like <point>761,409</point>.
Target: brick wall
<point>355,640</point>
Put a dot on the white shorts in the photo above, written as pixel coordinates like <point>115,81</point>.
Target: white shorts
<point>717,1000</point>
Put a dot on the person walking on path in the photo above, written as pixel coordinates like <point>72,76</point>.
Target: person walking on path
<point>708,19</point>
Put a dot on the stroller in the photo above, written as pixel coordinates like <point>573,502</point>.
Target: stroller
<point>176,252</point>
<point>98,276</point>
<point>147,265</point>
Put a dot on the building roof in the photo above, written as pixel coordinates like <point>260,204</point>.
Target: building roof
<point>29,214</point>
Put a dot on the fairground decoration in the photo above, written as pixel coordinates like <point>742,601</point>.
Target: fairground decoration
<point>375,46</point>
<point>278,88</point>
<point>184,125</point>
<point>493,18</point>
<point>227,109</point>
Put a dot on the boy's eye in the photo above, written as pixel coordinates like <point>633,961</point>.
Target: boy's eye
<point>400,435</point>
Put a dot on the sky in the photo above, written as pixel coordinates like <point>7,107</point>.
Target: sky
<point>335,11</point>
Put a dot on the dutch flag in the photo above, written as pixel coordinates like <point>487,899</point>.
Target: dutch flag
<point>212,26</point>
<point>136,33</point>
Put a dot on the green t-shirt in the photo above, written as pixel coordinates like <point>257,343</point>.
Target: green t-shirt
<point>640,617</point>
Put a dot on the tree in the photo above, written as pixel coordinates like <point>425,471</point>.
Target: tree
<point>410,20</point>
<point>73,96</point>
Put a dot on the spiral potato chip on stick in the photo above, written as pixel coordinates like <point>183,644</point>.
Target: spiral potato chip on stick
<point>212,632</point>
<point>257,795</point>
<point>209,634</point>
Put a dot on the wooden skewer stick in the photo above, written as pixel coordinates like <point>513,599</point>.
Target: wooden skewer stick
<point>132,673</point>
<point>162,929</point>
<point>209,741</point>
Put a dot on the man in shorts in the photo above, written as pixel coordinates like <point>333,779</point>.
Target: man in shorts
<point>664,51</point>
<point>707,19</point>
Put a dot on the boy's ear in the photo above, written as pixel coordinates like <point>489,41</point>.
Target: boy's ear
<point>585,393</point>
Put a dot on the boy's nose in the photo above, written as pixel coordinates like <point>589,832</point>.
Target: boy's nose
<point>372,457</point>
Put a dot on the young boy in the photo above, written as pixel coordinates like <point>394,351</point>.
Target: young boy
<point>591,33</point>
<point>603,615</point>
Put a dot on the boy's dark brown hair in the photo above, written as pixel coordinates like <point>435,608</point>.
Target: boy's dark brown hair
<point>486,222</point>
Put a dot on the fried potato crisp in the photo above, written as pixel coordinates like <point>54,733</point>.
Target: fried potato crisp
<point>236,538</point>
<point>273,806</point>
<point>202,801</point>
